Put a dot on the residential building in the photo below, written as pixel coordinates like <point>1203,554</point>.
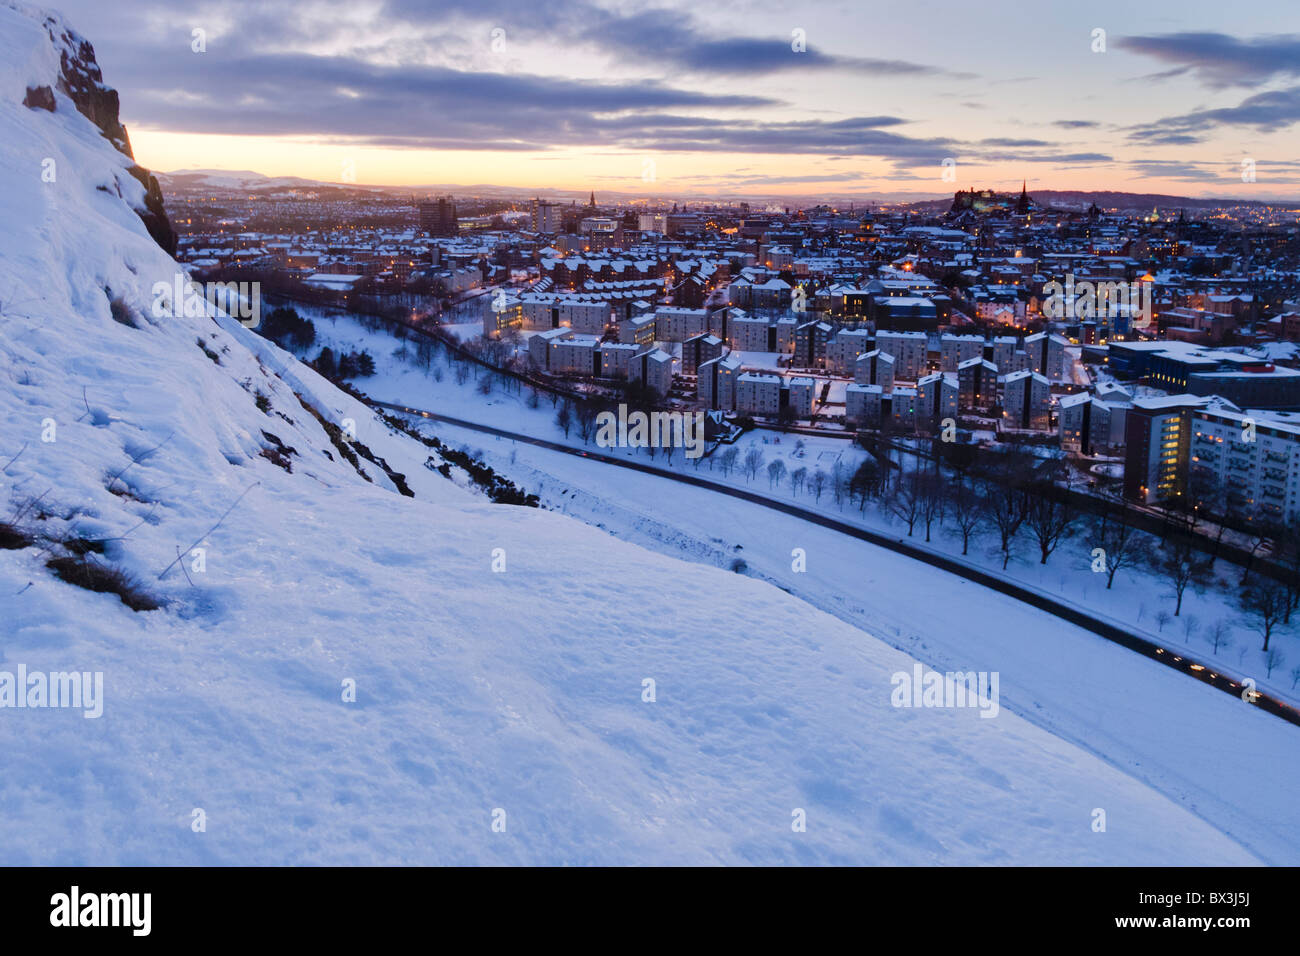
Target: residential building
<point>862,405</point>
<point>910,352</point>
<point>716,382</point>
<point>875,368</point>
<point>699,349</point>
<point>843,350</point>
<point>977,380</point>
<point>955,349</point>
<point>1026,401</point>
<point>675,324</point>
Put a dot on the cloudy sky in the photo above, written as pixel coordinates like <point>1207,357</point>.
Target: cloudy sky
<point>679,98</point>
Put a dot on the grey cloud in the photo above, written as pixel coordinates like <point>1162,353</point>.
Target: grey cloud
<point>1220,60</point>
<point>1266,112</point>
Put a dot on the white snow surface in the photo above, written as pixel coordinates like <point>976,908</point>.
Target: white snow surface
<point>477,691</point>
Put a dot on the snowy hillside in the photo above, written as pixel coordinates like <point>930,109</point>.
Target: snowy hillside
<point>231,179</point>
<point>499,654</point>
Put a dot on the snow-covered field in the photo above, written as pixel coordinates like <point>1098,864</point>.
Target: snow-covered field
<point>342,674</point>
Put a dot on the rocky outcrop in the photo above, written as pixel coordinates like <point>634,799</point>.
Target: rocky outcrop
<point>39,98</point>
<point>154,214</point>
<point>82,81</point>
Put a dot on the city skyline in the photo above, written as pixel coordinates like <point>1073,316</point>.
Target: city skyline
<point>665,100</point>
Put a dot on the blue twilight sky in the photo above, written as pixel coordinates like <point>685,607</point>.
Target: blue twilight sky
<point>671,98</point>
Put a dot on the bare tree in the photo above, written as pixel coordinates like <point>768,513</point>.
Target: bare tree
<point>1287,553</point>
<point>817,483</point>
<point>797,478</point>
<point>905,500</point>
<point>1220,636</point>
<point>775,472</point>
<point>1261,532</point>
<point>1049,520</point>
<point>1295,677</point>
<point>564,417</point>
<point>865,482</point>
<point>727,460</point>
<point>1183,567</point>
<point>1006,509</point>
<point>933,497</point>
<point>753,462</point>
<point>586,413</point>
<point>1190,623</point>
<point>1119,543</point>
<point>1265,605</point>
<point>1273,659</point>
<point>968,512</point>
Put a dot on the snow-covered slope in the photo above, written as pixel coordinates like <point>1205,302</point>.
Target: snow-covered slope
<point>482,695</point>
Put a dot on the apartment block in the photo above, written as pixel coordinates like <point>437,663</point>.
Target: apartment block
<point>716,382</point>
<point>676,324</point>
<point>977,381</point>
<point>638,330</point>
<point>539,346</point>
<point>843,350</point>
<point>1026,401</point>
<point>1046,353</point>
<point>862,405</point>
<point>800,391</point>
<point>785,335</point>
<point>955,349</point>
<point>810,340</point>
<point>616,358</point>
<point>750,334</point>
<point>758,393</point>
<point>699,349</point>
<point>910,351</point>
<point>1158,441</point>
<point>654,367</point>
<point>551,310</point>
<point>1093,425</point>
<point>874,368</point>
<point>1247,460</point>
<point>575,355</point>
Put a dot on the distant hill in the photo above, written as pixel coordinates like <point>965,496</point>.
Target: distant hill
<point>243,180</point>
<point>1105,199</point>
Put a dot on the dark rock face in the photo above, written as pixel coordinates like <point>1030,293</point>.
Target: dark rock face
<point>39,98</point>
<point>83,83</point>
<point>154,215</point>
